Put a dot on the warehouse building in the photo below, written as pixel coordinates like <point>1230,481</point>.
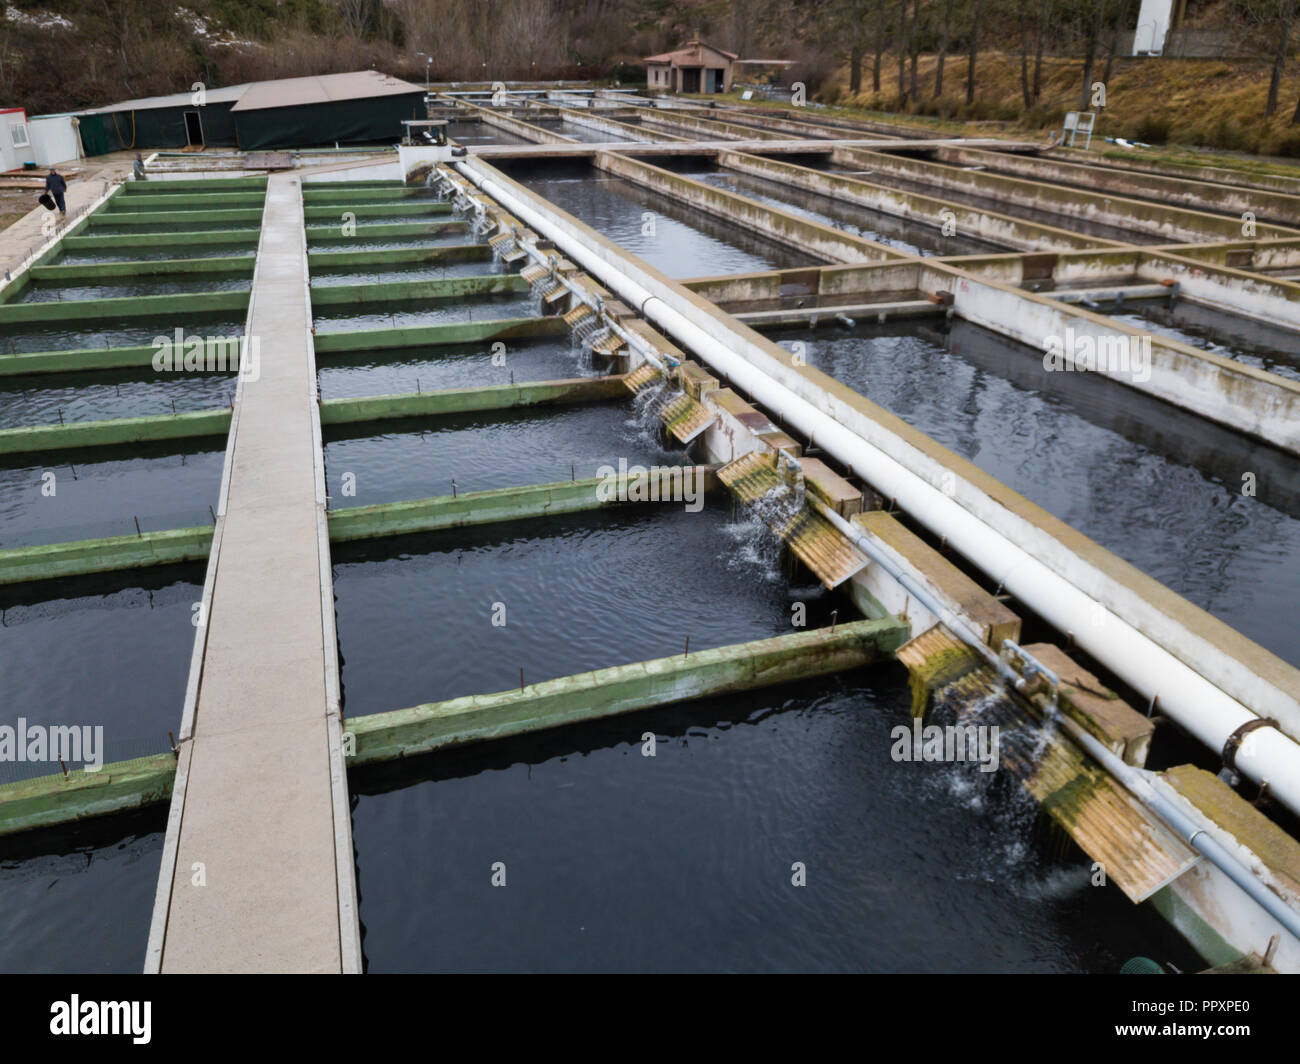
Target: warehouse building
<point>358,107</point>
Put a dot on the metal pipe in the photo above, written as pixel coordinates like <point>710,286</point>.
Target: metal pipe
<point>1204,709</point>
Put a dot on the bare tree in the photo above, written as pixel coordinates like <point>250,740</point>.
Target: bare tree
<point>976,11</point>
<point>945,35</point>
<point>1023,22</point>
<point>1092,16</point>
<point>902,52</point>
<point>880,45</point>
<point>1286,15</point>
<point>1121,16</point>
<point>914,45</point>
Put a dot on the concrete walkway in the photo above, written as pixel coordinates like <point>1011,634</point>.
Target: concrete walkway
<point>258,872</point>
<point>27,235</point>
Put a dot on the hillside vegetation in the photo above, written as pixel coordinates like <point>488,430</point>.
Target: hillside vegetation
<point>1033,57</point>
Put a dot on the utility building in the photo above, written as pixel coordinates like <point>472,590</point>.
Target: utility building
<point>694,67</point>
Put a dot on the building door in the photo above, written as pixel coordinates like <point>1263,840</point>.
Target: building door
<point>713,80</point>
<point>193,129</point>
<point>691,80</point>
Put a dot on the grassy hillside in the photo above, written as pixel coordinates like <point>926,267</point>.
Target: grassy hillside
<point>1211,103</point>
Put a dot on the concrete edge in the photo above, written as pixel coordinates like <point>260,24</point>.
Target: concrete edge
<point>344,856</point>
<point>176,812</point>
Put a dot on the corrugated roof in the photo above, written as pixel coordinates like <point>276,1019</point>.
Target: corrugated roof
<point>176,99</point>
<point>282,92</point>
<point>327,88</point>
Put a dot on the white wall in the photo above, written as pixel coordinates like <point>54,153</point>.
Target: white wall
<point>55,140</point>
<point>1152,25</point>
<point>10,157</point>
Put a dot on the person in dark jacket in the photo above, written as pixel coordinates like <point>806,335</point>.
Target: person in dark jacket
<point>56,186</point>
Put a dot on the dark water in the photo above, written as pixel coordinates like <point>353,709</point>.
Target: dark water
<point>80,901</point>
<point>107,227</point>
<point>580,593</point>
<point>1061,221</point>
<point>114,332</point>
<point>384,243</point>
<point>679,240</point>
<point>415,458</point>
<point>913,238</point>
<point>109,650</point>
<point>325,278</point>
<point>1268,347</point>
<point>408,313</point>
<point>324,195</point>
<point>40,399</point>
<point>1160,488</point>
<point>91,256</point>
<point>682,861</point>
<point>52,292</point>
<point>481,133</point>
<point>99,492</point>
<point>587,135</point>
<point>391,372</point>
<point>364,213</point>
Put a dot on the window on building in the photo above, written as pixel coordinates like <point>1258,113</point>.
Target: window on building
<point>19,134</point>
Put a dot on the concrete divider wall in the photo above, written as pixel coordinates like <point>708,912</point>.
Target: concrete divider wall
<point>1231,393</point>
<point>1195,195</point>
<point>925,210</point>
<point>1117,159</point>
<point>781,226</point>
<point>1234,291</point>
<point>527,130</point>
<point>1172,223</point>
<point>877,281</point>
<point>601,124</point>
<point>624,688</point>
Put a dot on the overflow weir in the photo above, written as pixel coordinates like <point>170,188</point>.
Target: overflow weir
<point>939,452</point>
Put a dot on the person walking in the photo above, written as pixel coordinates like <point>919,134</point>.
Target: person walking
<point>56,186</point>
<point>137,167</point>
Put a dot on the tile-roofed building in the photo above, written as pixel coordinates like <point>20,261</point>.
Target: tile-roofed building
<point>694,67</point>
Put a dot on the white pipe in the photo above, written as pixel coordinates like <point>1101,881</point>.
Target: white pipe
<point>1185,696</point>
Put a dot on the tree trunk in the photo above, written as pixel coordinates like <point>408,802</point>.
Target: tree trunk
<point>1090,55</point>
<point>943,49</point>
<point>880,45</point>
<point>1024,56</point>
<point>974,51</point>
<point>914,45</point>
<point>902,53</point>
<point>1279,57</point>
<point>855,70</point>
<point>1044,20</point>
<point>1121,16</point>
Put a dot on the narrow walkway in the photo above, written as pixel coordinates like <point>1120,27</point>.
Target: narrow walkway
<point>26,235</point>
<point>258,870</point>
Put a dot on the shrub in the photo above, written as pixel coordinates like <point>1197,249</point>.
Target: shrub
<point>1152,129</point>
